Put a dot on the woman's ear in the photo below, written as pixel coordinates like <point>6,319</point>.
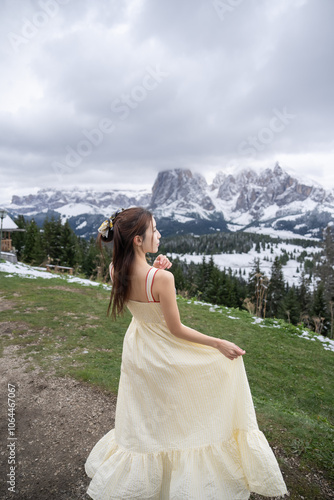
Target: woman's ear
<point>137,240</point>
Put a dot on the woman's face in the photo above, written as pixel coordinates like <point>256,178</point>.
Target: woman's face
<point>151,239</point>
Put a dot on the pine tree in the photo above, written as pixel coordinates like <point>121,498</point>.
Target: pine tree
<point>68,242</point>
<point>51,239</point>
<point>319,311</point>
<point>291,306</point>
<point>276,289</point>
<point>202,276</point>
<point>304,296</point>
<point>91,259</point>
<point>29,250</point>
<point>326,270</point>
<point>57,246</point>
<point>223,289</point>
<point>233,299</point>
<point>38,254</point>
<point>252,276</point>
<point>191,280</point>
<point>19,237</point>
<point>212,286</point>
<point>82,249</point>
<point>324,295</point>
<point>47,235</point>
<point>179,277</point>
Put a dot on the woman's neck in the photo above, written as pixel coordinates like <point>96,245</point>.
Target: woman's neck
<point>140,259</point>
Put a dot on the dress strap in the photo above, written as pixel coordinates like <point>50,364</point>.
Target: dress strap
<point>149,284</point>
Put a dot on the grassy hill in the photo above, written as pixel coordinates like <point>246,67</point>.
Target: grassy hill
<point>64,325</point>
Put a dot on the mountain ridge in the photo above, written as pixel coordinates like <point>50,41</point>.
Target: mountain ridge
<point>182,201</point>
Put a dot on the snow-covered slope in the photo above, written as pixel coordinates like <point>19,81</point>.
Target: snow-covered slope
<point>272,202</point>
<point>244,262</point>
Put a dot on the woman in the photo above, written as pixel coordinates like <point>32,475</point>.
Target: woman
<point>185,426</point>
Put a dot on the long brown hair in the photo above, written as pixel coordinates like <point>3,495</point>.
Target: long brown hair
<point>127,224</point>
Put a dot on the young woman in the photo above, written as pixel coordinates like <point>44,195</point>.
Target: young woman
<point>185,425</point>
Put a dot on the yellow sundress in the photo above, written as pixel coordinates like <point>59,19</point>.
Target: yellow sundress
<point>185,424</point>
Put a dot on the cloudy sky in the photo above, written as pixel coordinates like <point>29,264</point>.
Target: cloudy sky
<point>106,93</point>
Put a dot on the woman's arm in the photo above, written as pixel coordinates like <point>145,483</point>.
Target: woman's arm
<point>164,291</point>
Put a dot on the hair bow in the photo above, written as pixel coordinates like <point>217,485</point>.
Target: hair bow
<point>108,224</point>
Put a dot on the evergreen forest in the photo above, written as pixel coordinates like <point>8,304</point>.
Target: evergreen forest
<point>311,303</point>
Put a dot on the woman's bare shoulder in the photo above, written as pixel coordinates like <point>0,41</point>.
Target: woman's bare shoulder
<point>163,284</point>
<point>163,281</point>
<point>164,277</point>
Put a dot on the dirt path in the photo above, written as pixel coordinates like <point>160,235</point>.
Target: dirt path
<point>58,421</point>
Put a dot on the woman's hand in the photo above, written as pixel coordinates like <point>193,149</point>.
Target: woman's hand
<point>230,350</point>
<point>162,262</point>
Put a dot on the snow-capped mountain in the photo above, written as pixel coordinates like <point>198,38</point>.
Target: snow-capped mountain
<point>76,202</point>
<point>271,201</point>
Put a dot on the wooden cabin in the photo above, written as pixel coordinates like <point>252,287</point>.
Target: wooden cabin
<point>8,227</point>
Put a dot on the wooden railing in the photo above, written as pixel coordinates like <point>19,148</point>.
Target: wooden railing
<point>58,269</point>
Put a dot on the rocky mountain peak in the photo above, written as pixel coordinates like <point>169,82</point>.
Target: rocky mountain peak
<point>180,187</point>
<point>218,180</point>
<point>278,171</point>
<point>253,192</point>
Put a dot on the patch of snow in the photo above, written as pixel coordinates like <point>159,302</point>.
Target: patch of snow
<point>234,227</point>
<point>257,320</point>
<point>328,343</point>
<point>82,225</point>
<point>215,307</point>
<point>73,209</point>
<point>285,235</point>
<point>183,218</point>
<point>26,271</point>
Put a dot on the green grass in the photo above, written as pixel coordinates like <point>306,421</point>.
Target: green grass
<point>291,380</point>
<point>64,326</point>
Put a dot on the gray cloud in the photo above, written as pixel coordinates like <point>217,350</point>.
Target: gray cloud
<point>120,90</point>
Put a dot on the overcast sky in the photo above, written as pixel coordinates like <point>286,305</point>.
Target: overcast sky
<point>106,93</point>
